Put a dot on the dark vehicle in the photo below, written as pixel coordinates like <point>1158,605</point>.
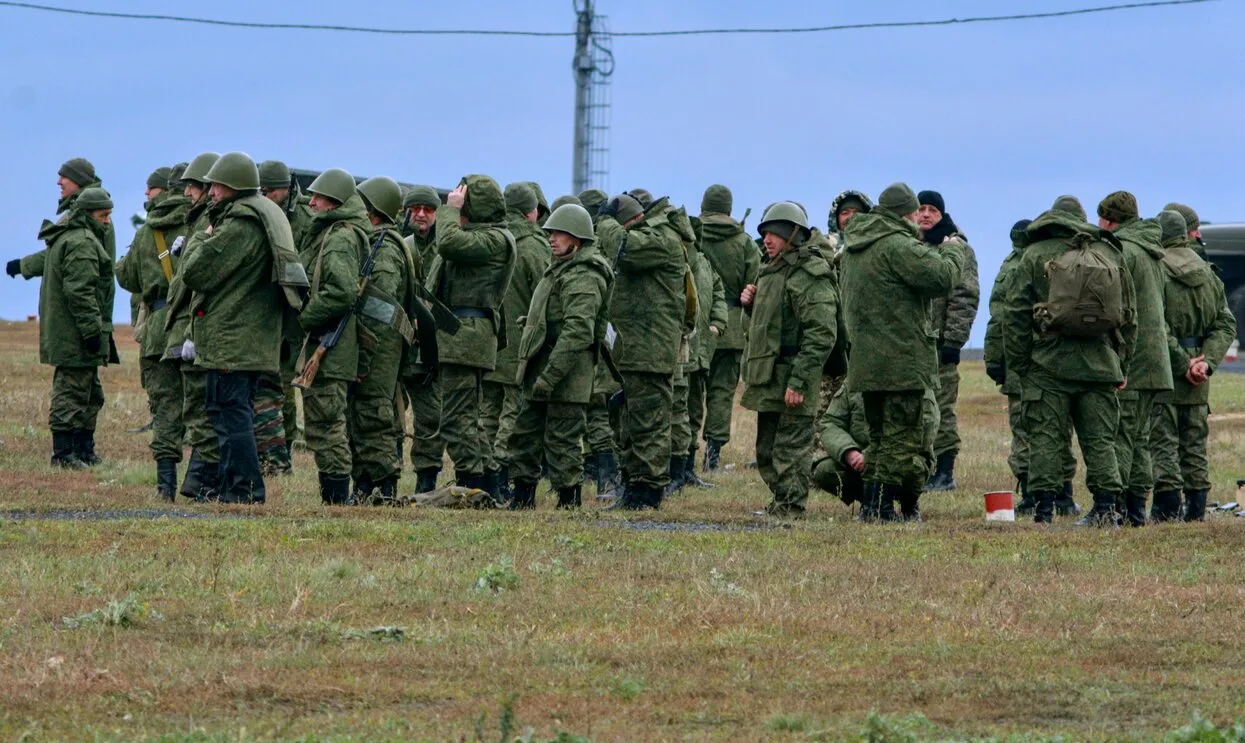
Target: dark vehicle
<point>1225,246</point>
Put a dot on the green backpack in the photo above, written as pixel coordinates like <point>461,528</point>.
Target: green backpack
<point>1086,298</point>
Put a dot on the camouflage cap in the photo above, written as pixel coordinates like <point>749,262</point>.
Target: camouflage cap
<point>563,201</point>
<point>175,175</point>
<point>159,177</point>
<point>520,197</point>
<point>718,199</point>
<point>592,199</point>
<point>642,195</point>
<point>79,170</point>
<point>1119,206</point>
<point>899,198</point>
<point>274,174</point>
<point>1069,205</point>
<point>542,205</point>
<point>1191,220</point>
<point>421,196</point>
<point>92,199</point>
<point>626,208</point>
<point>1172,223</point>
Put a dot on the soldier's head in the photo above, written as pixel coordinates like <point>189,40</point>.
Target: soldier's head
<point>1069,204</point>
<point>624,208</point>
<point>931,209</point>
<point>157,182</point>
<point>232,175</point>
<point>1172,223</point>
<point>900,200</point>
<point>1020,233</point>
<point>847,205</point>
<point>1191,220</point>
<point>521,199</point>
<point>717,199</point>
<point>383,198</point>
<point>563,200</point>
<point>569,228</point>
<point>74,175</point>
<point>96,204</point>
<point>542,205</point>
<point>642,195</point>
<point>1116,209</point>
<point>194,180</point>
<point>592,199</point>
<point>274,181</point>
<point>784,226</point>
<point>421,204</point>
<point>331,189</point>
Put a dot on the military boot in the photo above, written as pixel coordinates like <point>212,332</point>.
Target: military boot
<point>166,479</point>
<point>608,485</point>
<point>910,505</point>
<point>194,475</point>
<point>870,503</point>
<point>1166,506</point>
<point>1103,513</point>
<point>426,479</point>
<point>335,490</point>
<point>637,497</point>
<point>713,454</point>
<point>943,479</point>
<point>209,483</point>
<point>502,478</point>
<point>387,492</point>
<point>84,448</point>
<point>1065,504</point>
<point>676,476</point>
<point>1195,505</point>
<point>64,451</point>
<point>690,476</point>
<point>886,505</point>
<point>523,497</point>
<point>1135,509</point>
<point>363,489</point>
<point>1043,507</point>
<point>570,497</point>
<point>590,466</point>
<point>1027,500</point>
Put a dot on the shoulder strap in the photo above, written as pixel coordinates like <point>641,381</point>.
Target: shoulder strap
<point>162,252</point>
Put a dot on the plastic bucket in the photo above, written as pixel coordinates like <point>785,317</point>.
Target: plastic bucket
<point>1000,506</point>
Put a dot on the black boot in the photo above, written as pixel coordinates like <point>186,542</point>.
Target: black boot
<point>676,476</point>
<point>1195,505</point>
<point>166,479</point>
<point>1103,513</point>
<point>713,454</point>
<point>1027,501</point>
<point>64,451</point>
<point>1166,506</point>
<point>570,497</point>
<point>608,486</point>
<point>209,483</point>
<point>1135,509</point>
<point>194,476</point>
<point>690,476</point>
<point>489,483</point>
<point>1065,504</point>
<point>943,479</point>
<point>502,480</point>
<point>335,490</point>
<point>523,496</point>
<point>590,467</point>
<point>386,493</point>
<point>363,489</point>
<point>637,497</point>
<point>886,506</point>
<point>426,479</point>
<point>878,504</point>
<point>84,448</point>
<point>1043,507</point>
<point>910,505</point>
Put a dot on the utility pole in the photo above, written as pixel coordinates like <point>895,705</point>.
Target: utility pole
<point>592,66</point>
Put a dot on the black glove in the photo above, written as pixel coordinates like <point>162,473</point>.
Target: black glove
<point>618,400</point>
<point>94,343</point>
<point>608,208</point>
<point>13,267</point>
<point>948,355</point>
<point>996,372</point>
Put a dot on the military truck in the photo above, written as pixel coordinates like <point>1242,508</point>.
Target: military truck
<point>1225,247</point>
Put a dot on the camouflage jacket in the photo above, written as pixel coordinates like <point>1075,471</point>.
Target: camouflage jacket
<point>953,314</point>
<point>332,253</point>
<point>177,321</point>
<point>532,256</point>
<point>76,294</point>
<point>711,310</point>
<point>649,303</point>
<point>735,260</point>
<point>1197,316</point>
<point>141,272</point>
<point>1148,368</point>
<point>1004,284</point>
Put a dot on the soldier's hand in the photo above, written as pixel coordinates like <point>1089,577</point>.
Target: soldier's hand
<point>714,329</point>
<point>855,460</point>
<point>793,399</point>
<point>996,372</point>
<point>747,295</point>
<point>93,344</point>
<point>1122,385</point>
<point>208,231</point>
<point>13,268</point>
<point>458,196</point>
<point>1199,371</point>
<point>952,239</point>
<point>541,389</point>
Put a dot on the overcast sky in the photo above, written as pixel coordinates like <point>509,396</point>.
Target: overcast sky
<point>1001,118</point>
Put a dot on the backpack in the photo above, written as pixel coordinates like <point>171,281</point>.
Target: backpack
<point>1086,297</point>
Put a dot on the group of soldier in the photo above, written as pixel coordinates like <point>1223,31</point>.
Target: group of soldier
<point>602,338</point>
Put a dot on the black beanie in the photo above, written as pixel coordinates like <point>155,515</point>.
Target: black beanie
<point>1022,225</point>
<point>932,198</point>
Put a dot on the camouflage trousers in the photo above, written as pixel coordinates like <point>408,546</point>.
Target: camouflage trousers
<point>553,430</point>
<point>427,449</point>
<point>77,398</point>
<point>326,409</point>
<point>646,428</point>
<point>1018,455</point>
<point>200,436</point>
<point>1053,409</point>
<point>269,424</point>
<point>697,387</point>
<point>836,478</point>
<point>902,426</point>
<point>499,409</point>
<point>784,448</point>
<point>1132,441</point>
<point>375,449</point>
<point>290,395</point>
<point>680,424</point>
<point>163,382</point>
<point>460,419</point>
<point>947,440</point>
<point>829,386</point>
<point>720,386</point>
<point>604,425</point>
<point>1178,442</point>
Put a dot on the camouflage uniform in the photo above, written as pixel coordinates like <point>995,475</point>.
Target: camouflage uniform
<point>604,427</point>
<point>423,392</point>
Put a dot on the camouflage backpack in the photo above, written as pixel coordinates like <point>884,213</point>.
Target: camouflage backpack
<point>1086,297</point>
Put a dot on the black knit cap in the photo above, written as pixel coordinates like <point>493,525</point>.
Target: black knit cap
<point>932,198</point>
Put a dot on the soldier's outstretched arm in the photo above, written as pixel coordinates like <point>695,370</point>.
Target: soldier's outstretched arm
<point>33,264</point>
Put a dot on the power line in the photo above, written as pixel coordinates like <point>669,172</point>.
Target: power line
<point>617,34</point>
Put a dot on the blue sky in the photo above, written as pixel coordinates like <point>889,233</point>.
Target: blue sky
<point>1001,118</point>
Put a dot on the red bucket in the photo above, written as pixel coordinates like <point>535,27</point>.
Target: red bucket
<point>1000,506</point>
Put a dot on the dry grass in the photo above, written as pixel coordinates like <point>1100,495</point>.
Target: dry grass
<point>297,622</point>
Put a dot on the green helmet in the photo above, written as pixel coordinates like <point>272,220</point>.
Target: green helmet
<point>572,219</point>
<point>176,174</point>
<point>236,170</point>
<point>382,195</point>
<point>274,174</point>
<point>196,171</point>
<point>790,213</point>
<point>92,199</point>
<point>334,183</point>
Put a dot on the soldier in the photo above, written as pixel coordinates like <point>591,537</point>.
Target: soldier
<point>561,340</point>
<point>201,480</point>
<point>1150,370</point>
<point>1069,374</point>
<point>237,312</point>
<point>1198,317</point>
<point>791,333</point>
<point>889,277</point>
<point>477,257</point>
<point>648,309</point>
<point>604,427</point>
<point>146,271</point>
<point>373,409</point>
<point>75,321</point>
<point>563,200</point>
<point>953,316</point>
<point>1191,220</point>
<point>735,260</point>
<point>542,206</point>
<point>421,387</point>
<point>332,253</point>
<point>500,403</point>
<point>592,199</point>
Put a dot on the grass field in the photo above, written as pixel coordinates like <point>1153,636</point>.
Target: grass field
<point>296,622</point>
